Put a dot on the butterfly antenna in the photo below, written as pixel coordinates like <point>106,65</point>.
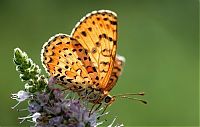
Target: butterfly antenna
<point>135,99</point>
<point>125,94</point>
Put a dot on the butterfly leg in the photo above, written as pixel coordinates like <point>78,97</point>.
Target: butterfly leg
<point>91,109</point>
<point>98,107</point>
<point>104,109</point>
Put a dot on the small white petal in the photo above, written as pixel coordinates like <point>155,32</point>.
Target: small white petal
<point>35,116</point>
<point>20,96</point>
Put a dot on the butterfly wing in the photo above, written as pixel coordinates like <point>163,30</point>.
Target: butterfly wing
<point>63,56</point>
<point>97,32</point>
<point>116,72</point>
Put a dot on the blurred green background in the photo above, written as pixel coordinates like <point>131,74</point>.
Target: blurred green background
<point>159,39</point>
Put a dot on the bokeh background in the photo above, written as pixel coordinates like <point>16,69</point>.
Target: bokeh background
<point>159,39</point>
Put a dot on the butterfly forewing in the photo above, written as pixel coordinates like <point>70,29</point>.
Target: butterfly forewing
<point>97,32</point>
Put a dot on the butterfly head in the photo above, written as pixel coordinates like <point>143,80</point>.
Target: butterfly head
<point>108,99</point>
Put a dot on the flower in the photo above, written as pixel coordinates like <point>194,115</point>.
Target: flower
<point>34,117</point>
<point>20,96</point>
<point>49,106</point>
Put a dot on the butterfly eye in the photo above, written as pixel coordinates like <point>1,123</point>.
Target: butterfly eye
<point>107,99</point>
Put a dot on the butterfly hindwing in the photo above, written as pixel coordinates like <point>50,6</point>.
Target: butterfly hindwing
<point>116,72</point>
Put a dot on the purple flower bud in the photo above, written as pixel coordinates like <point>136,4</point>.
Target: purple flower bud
<point>42,98</point>
<point>81,124</point>
<point>55,121</point>
<point>56,109</point>
<point>34,107</point>
<point>58,94</point>
<point>52,81</point>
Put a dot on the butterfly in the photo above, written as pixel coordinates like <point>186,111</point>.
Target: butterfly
<point>85,61</point>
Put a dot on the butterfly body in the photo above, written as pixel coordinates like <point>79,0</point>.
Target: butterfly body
<point>85,61</point>
<point>93,95</point>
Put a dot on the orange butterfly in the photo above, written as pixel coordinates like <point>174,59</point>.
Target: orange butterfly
<point>86,61</point>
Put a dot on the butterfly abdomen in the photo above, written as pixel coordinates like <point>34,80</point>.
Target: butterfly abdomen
<point>91,94</point>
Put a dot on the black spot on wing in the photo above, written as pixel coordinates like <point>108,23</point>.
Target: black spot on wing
<point>84,33</point>
<point>113,22</point>
<point>60,70</point>
<point>59,43</point>
<point>90,29</point>
<point>62,78</point>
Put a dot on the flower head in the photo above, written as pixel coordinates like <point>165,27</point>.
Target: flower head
<point>60,111</point>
